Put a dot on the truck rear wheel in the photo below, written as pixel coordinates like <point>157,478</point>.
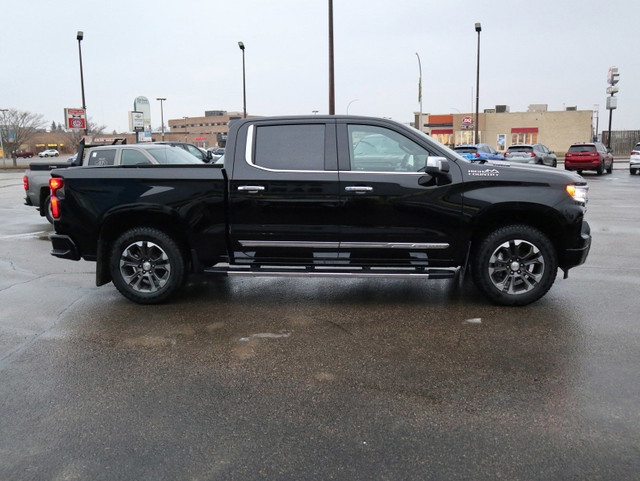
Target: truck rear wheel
<point>146,265</point>
<point>515,265</point>
<point>48,213</point>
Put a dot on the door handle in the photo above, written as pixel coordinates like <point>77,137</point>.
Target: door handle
<point>359,189</point>
<point>251,189</point>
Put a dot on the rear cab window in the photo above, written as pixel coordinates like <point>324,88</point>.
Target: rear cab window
<point>102,157</point>
<point>582,148</point>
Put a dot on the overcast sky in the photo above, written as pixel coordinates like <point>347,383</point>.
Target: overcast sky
<point>544,51</point>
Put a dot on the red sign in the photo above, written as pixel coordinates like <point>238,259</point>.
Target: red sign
<point>75,118</point>
<point>201,138</point>
<point>468,120</point>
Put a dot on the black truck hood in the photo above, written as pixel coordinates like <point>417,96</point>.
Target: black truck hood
<point>520,171</point>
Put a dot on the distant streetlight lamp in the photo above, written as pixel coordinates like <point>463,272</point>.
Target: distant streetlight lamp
<point>314,112</point>
<point>476,139</point>
<point>244,84</point>
<point>161,99</point>
<point>354,100</point>
<point>79,37</point>
<point>420,93</point>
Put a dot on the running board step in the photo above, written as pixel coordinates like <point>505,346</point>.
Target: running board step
<point>371,272</point>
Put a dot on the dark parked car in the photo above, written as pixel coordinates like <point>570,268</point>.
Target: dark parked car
<point>192,149</point>
<point>479,152</point>
<point>589,156</point>
<point>531,154</point>
<point>24,154</point>
<point>324,196</point>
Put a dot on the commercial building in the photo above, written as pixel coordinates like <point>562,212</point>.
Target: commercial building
<point>209,131</point>
<point>501,128</point>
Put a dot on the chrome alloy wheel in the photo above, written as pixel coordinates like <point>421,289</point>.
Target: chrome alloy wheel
<point>145,266</point>
<point>516,267</point>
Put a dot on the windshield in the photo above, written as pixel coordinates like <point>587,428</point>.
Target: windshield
<point>582,148</point>
<point>520,148</point>
<point>466,150</point>
<point>173,155</point>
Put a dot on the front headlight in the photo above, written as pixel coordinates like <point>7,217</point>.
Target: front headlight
<point>578,192</point>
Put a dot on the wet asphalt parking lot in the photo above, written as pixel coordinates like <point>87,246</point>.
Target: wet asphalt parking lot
<point>320,379</point>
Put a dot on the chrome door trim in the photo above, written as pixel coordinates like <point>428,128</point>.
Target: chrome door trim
<point>359,189</point>
<point>248,157</point>
<point>348,245</point>
<point>318,245</point>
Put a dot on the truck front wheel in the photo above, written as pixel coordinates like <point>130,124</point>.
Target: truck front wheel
<point>146,265</point>
<point>515,265</point>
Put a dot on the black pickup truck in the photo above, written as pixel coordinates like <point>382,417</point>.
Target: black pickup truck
<point>324,196</point>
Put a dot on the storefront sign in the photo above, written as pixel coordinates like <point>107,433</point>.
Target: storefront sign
<point>75,118</point>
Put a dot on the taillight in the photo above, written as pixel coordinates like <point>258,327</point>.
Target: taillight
<point>633,152</point>
<point>25,182</point>
<point>55,183</point>
<point>532,154</point>
<point>477,155</point>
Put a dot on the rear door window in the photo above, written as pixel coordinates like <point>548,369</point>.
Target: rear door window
<point>133,157</point>
<point>520,149</point>
<point>102,157</point>
<point>290,147</point>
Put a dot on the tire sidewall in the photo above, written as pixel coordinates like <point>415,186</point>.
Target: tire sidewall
<point>490,243</point>
<point>167,244</point>
<point>47,210</point>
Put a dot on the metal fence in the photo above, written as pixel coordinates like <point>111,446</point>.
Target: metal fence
<point>622,141</point>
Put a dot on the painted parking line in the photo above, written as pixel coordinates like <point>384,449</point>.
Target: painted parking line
<point>18,236</point>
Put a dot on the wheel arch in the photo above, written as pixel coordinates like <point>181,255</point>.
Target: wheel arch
<point>117,223</point>
<point>545,219</point>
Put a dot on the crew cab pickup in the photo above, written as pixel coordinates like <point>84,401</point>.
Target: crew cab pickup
<point>324,196</point>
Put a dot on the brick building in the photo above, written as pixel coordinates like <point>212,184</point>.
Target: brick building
<point>500,128</point>
<point>210,130</point>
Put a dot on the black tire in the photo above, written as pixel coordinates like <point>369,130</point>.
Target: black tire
<point>47,209</point>
<point>633,171</point>
<point>610,168</point>
<point>579,171</point>
<point>600,169</point>
<point>555,163</point>
<point>514,265</point>
<point>147,265</point>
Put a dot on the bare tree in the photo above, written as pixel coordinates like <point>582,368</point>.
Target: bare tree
<point>74,136</point>
<point>17,128</point>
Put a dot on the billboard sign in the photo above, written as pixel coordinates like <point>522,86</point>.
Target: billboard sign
<point>75,118</point>
<point>141,104</point>
<point>136,121</point>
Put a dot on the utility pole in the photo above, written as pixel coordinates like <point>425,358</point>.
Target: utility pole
<point>332,90</point>
<point>476,139</point>
<point>420,93</point>
<point>162,99</point>
<point>244,83</point>
<point>4,157</point>
<point>79,37</point>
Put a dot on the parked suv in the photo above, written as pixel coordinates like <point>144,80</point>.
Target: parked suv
<point>479,152</point>
<point>634,160</point>
<point>531,154</point>
<point>589,156</point>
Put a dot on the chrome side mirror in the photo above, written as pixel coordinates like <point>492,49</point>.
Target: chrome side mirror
<point>437,166</point>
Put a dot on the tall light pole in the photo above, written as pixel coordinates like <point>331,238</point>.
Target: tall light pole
<point>79,37</point>
<point>420,93</point>
<point>244,84</point>
<point>354,100</point>
<point>476,139</point>
<point>332,89</point>
<point>161,99</point>
<point>4,166</point>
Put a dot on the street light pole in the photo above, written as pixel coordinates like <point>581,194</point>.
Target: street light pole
<point>4,165</point>
<point>79,37</point>
<point>161,99</point>
<point>354,100</point>
<point>244,84</point>
<point>476,139</point>
<point>420,93</point>
<point>332,90</point>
